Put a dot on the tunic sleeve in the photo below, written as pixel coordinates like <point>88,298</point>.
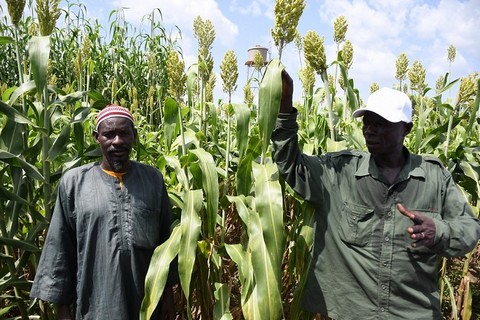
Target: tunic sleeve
<point>302,172</point>
<point>56,272</point>
<point>459,231</point>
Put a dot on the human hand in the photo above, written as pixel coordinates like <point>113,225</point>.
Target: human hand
<point>286,103</point>
<point>423,229</point>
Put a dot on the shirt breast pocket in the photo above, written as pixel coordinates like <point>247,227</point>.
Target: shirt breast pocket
<point>145,227</point>
<point>356,225</point>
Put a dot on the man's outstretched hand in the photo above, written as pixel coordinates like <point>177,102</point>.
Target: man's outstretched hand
<point>423,229</point>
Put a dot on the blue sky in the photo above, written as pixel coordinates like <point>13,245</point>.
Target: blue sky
<point>380,30</point>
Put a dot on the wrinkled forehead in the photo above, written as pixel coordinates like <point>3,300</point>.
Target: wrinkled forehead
<point>116,123</point>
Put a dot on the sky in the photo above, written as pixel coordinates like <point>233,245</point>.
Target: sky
<point>380,30</point>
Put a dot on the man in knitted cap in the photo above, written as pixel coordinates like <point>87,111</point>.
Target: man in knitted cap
<point>108,219</point>
<point>383,217</point>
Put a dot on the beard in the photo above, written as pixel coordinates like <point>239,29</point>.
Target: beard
<point>116,165</point>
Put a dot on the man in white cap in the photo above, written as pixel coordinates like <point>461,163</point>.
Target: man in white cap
<point>383,217</point>
<point>108,219</point>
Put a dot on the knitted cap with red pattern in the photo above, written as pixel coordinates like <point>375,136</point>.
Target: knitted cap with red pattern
<point>113,111</point>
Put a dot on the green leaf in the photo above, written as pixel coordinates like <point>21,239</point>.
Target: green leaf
<point>192,82</point>
<point>242,114</point>
<point>174,163</point>
<point>241,257</point>
<point>242,260</point>
<point>475,108</point>
<point>157,273</point>
<point>269,204</point>
<point>213,121</point>
<point>15,115</point>
<point>24,88</point>
<point>210,187</point>
<point>190,226</point>
<point>4,311</point>
<point>14,160</point>
<point>19,244</point>
<point>222,300</point>
<point>60,144</point>
<point>269,98</point>
<point>471,173</point>
<point>451,294</point>
<point>265,301</point>
<point>6,40</point>
<point>353,103</point>
<point>244,175</point>
<point>170,124</point>
<point>261,298</point>
<point>7,194</point>
<point>70,98</point>
<point>39,51</point>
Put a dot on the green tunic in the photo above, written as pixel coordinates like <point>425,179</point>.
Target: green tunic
<point>101,239</point>
<point>363,264</point>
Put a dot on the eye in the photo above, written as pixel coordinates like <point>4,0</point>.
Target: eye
<point>108,135</point>
<point>125,134</point>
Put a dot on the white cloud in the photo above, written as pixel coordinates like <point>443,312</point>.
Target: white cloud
<point>382,29</point>
<point>453,22</point>
<point>182,13</point>
<point>253,8</point>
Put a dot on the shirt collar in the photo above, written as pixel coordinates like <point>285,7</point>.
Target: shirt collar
<point>412,167</point>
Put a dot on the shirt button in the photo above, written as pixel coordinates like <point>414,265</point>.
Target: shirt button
<point>382,309</point>
<point>387,239</point>
<point>384,287</point>
<point>385,264</point>
<point>389,214</point>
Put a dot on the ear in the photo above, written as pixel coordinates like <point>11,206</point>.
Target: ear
<point>95,135</point>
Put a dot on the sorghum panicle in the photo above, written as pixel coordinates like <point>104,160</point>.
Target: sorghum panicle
<point>340,27</point>
<point>452,52</point>
<point>314,51</point>
<point>402,67</point>
<point>48,14</point>
<point>15,10</point>
<point>229,72</point>
<point>287,15</point>
<point>176,74</point>
<point>468,89</point>
<point>307,77</point>
<point>417,74</point>
<point>347,54</point>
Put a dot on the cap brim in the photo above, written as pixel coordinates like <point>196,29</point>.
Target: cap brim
<point>359,113</point>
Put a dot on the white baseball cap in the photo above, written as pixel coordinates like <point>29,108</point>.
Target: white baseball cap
<point>390,104</point>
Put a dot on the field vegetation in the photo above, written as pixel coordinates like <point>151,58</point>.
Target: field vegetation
<point>241,235</point>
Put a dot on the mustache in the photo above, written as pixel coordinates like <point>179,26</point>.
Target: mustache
<point>117,149</point>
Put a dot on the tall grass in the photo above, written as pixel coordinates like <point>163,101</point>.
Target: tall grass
<point>242,237</point>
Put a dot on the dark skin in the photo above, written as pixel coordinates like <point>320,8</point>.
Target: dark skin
<point>116,137</point>
<point>384,141</point>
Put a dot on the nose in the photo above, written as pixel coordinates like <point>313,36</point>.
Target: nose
<point>369,128</point>
<point>117,140</point>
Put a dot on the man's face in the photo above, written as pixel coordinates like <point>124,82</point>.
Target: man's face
<point>115,137</point>
<point>382,137</point>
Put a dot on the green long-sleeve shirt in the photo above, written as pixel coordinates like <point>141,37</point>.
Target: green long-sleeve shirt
<point>363,264</point>
<point>101,239</point>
